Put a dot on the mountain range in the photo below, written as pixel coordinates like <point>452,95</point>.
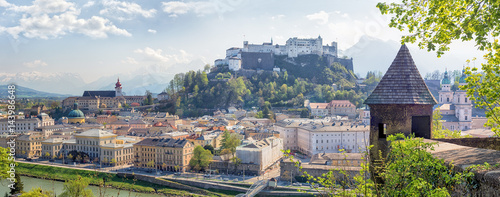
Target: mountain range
<point>369,54</point>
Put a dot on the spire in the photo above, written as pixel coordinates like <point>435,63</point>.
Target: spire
<point>402,83</point>
<point>118,84</point>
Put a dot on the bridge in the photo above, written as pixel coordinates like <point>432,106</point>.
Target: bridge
<point>255,188</point>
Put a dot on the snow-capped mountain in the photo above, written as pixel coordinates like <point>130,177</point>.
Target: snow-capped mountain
<point>62,83</point>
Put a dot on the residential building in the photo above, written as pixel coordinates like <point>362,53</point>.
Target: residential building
<point>333,108</point>
<point>319,109</point>
<point>318,136</point>
<point>26,124</point>
<point>51,148</point>
<point>163,154</point>
<point>265,153</point>
<point>29,145</point>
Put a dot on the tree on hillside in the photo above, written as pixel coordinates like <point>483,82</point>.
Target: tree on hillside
<point>435,24</point>
<point>77,188</point>
<point>201,158</point>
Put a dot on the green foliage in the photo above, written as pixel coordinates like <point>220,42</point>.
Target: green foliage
<point>435,24</point>
<point>4,163</point>
<point>193,91</point>
<point>230,141</point>
<point>38,192</point>
<point>438,131</point>
<point>410,170</point>
<point>201,158</point>
<point>18,185</point>
<point>407,170</point>
<point>210,148</point>
<point>77,188</point>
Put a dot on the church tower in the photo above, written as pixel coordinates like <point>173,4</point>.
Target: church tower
<point>118,88</point>
<point>463,105</point>
<point>445,95</point>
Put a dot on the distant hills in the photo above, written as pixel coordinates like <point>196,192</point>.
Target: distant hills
<point>371,54</point>
<point>23,92</point>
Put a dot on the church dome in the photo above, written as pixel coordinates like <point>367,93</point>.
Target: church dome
<point>462,78</point>
<point>76,114</point>
<point>446,79</point>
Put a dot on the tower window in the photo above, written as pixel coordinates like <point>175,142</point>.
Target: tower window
<point>466,99</point>
<point>447,99</point>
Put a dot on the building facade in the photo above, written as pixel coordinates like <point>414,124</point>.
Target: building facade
<point>94,100</point>
<point>313,137</point>
<point>455,106</point>
<point>163,154</point>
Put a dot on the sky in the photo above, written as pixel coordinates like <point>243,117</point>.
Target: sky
<point>104,38</point>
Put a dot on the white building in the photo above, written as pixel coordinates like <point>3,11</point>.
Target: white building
<point>234,63</point>
<point>265,152</point>
<point>28,124</point>
<point>455,106</point>
<point>293,48</point>
<point>317,136</point>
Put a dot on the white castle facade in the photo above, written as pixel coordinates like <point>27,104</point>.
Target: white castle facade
<point>294,47</point>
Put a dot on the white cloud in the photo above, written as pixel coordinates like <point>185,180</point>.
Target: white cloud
<point>130,60</point>
<point>321,17</point>
<point>152,31</point>
<point>50,19</point>
<point>152,54</point>
<point>159,56</point>
<point>34,64</point>
<point>89,4</point>
<point>125,10</point>
<point>277,17</point>
<point>200,8</point>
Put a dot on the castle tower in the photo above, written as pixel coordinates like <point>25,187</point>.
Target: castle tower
<point>401,103</point>
<point>463,105</point>
<point>118,88</point>
<point>445,94</point>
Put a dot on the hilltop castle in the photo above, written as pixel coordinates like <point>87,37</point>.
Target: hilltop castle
<point>261,56</point>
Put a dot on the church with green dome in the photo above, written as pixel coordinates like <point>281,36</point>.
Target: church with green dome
<point>76,116</point>
<point>455,106</point>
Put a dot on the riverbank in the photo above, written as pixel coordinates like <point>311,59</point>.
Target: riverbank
<point>97,178</point>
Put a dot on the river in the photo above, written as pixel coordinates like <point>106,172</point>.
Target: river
<point>57,187</point>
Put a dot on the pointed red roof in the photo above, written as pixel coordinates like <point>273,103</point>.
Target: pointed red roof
<point>118,84</point>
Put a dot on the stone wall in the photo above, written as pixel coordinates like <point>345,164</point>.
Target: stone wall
<point>486,143</point>
<point>488,181</point>
<point>185,184</point>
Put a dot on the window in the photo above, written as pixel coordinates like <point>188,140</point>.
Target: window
<point>466,99</point>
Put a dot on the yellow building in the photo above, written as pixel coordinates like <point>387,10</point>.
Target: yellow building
<point>29,145</point>
<point>163,154</point>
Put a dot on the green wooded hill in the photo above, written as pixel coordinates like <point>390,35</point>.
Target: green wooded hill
<point>306,77</point>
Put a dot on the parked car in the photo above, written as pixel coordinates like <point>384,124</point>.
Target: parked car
<point>177,174</point>
<point>51,160</point>
<point>207,175</point>
<point>296,184</point>
<point>225,179</point>
<point>28,159</point>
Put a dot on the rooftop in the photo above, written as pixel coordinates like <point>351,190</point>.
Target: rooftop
<point>401,84</point>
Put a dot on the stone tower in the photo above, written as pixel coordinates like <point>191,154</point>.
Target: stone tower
<point>401,103</point>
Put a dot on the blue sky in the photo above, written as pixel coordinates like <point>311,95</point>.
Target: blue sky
<point>109,37</point>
